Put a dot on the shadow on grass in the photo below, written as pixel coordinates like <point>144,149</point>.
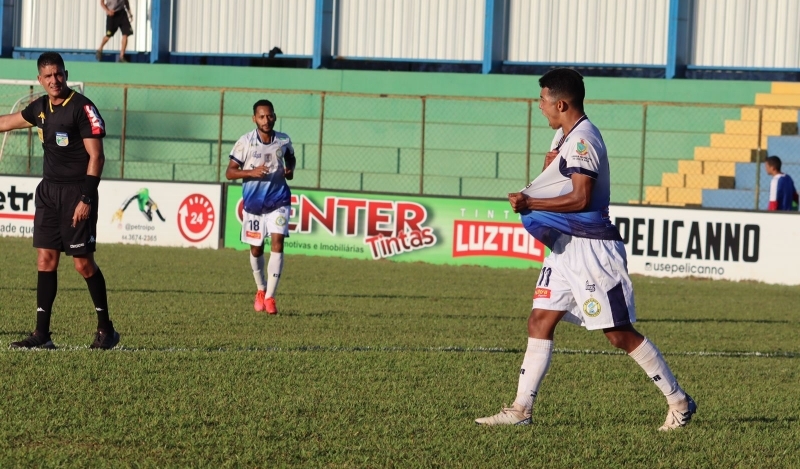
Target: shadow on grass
<point>15,333</point>
<point>716,321</point>
<point>784,420</point>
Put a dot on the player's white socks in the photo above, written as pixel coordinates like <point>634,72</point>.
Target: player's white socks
<point>534,367</point>
<point>652,362</point>
<point>274,269</point>
<point>257,263</point>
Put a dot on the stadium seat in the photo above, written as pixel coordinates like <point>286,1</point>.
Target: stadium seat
<point>723,174</point>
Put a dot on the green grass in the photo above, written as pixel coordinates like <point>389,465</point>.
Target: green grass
<point>379,364</point>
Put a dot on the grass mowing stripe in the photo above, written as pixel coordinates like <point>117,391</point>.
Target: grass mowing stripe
<point>313,348</point>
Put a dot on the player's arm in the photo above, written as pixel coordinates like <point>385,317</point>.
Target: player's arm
<point>574,201</point>
<point>549,157</point>
<point>97,159</point>
<point>235,171</point>
<point>105,8</point>
<point>290,161</point>
<point>13,122</point>
<point>773,195</point>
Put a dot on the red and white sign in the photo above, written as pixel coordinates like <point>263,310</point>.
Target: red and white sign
<point>485,238</point>
<point>196,218</point>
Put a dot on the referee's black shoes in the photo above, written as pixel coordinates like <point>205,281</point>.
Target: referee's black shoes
<point>105,340</point>
<point>35,340</point>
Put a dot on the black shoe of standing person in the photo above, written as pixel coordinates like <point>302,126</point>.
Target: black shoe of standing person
<point>35,340</point>
<point>105,340</point>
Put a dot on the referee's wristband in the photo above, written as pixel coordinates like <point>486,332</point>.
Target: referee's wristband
<point>90,185</point>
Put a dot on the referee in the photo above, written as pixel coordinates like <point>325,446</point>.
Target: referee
<point>71,131</point>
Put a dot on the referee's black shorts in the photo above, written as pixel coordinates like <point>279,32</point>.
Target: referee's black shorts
<point>118,21</point>
<point>52,222</point>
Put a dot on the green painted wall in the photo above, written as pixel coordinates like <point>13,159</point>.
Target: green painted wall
<point>473,147</point>
<point>429,84</point>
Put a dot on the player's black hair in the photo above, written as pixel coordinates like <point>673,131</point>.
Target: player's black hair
<point>50,58</point>
<point>566,84</point>
<point>774,162</point>
<point>262,102</point>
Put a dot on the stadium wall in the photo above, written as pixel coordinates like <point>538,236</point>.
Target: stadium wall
<point>473,147</point>
<point>409,83</point>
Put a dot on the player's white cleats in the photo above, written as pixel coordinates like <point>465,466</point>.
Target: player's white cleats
<point>515,415</point>
<point>679,415</point>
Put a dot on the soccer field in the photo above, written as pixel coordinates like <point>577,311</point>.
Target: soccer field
<point>379,364</point>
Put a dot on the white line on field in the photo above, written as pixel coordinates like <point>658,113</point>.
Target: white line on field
<point>72,348</point>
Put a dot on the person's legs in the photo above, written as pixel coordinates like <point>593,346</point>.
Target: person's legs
<point>647,355</point>
<point>275,266</point>
<point>257,264</point>
<point>99,52</point>
<point>122,47</point>
<point>541,327</point>
<point>96,283</point>
<point>105,337</point>
<point>46,286</point>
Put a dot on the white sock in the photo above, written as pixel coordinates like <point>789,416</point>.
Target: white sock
<point>534,367</point>
<point>257,263</point>
<point>274,269</point>
<point>653,363</point>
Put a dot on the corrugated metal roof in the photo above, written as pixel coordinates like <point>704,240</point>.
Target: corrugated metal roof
<point>411,29</point>
<point>746,33</point>
<point>589,31</point>
<point>243,26</point>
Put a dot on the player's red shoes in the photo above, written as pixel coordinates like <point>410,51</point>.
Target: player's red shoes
<point>259,303</point>
<point>269,305</point>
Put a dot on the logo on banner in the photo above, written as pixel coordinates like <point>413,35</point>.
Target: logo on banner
<point>479,238</point>
<point>196,218</point>
<point>144,202</point>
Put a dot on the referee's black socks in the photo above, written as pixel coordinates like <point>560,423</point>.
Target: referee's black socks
<point>97,289</point>
<point>46,288</point>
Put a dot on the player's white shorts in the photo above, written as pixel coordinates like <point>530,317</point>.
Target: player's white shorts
<point>587,278</point>
<point>256,227</point>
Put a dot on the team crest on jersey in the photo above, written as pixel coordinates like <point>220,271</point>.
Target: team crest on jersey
<point>62,139</point>
<point>581,148</point>
<point>592,307</point>
<point>279,153</point>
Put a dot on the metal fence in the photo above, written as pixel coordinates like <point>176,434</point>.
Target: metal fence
<point>660,153</point>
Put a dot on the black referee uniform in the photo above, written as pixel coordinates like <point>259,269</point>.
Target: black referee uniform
<point>62,129</point>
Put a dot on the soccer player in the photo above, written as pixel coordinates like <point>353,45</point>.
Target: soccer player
<point>782,193</point>
<point>118,16</point>
<point>585,279</point>
<point>71,131</point>
<point>264,159</point>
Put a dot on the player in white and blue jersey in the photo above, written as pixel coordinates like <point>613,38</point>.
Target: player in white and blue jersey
<point>264,159</point>
<point>585,278</point>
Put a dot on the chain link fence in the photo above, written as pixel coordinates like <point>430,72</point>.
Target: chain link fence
<point>660,153</point>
